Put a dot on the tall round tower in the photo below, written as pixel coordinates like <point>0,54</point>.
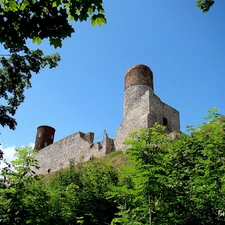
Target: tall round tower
<point>139,75</point>
<point>138,79</point>
<point>44,137</point>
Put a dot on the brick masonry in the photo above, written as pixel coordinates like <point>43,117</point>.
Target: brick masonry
<point>44,137</point>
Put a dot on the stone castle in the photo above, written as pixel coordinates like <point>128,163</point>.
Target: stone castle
<point>142,109</point>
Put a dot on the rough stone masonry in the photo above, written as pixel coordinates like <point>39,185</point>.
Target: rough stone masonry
<point>142,109</point>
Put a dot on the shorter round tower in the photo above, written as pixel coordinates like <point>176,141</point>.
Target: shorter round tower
<point>138,80</point>
<point>44,137</point>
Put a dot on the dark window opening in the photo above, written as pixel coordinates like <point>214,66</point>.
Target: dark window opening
<point>165,121</point>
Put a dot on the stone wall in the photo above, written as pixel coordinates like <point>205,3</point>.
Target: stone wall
<point>78,147</point>
<point>145,112</point>
<point>136,115</point>
<point>142,108</point>
<point>163,114</point>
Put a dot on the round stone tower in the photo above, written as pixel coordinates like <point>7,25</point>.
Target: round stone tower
<point>44,137</point>
<point>138,80</point>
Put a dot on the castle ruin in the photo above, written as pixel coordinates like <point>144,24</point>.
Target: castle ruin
<point>142,109</point>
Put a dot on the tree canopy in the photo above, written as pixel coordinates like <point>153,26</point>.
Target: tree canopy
<point>36,20</point>
<point>174,179</point>
<point>177,178</point>
<point>73,196</point>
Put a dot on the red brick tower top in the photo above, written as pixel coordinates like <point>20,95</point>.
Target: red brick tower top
<point>139,75</point>
<point>44,137</point>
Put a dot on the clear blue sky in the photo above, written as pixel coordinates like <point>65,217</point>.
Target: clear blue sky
<point>184,48</point>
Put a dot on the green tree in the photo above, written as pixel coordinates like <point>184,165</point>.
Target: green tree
<point>174,180</point>
<point>198,164</point>
<point>22,197</point>
<point>143,183</point>
<point>76,195</point>
<point>79,194</point>
<point>36,20</point>
<point>15,76</point>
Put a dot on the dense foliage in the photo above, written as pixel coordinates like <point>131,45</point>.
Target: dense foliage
<point>176,179</point>
<point>76,195</point>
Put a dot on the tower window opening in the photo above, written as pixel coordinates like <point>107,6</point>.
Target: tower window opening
<point>52,137</point>
<point>165,121</point>
<point>45,144</point>
<point>39,135</point>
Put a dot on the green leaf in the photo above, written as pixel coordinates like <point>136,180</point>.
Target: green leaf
<point>56,3</point>
<point>98,20</point>
<point>102,11</point>
<point>56,42</point>
<point>13,5</point>
<point>4,2</point>
<point>24,4</point>
<point>37,40</point>
<point>90,10</point>
<point>71,18</point>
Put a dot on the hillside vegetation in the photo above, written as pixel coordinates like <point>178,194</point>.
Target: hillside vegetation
<point>175,179</point>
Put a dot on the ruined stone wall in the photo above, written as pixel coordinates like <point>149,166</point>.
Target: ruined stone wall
<point>136,115</point>
<point>142,109</point>
<point>108,145</point>
<point>172,116</point>
<point>78,147</point>
<point>163,114</point>
<point>133,98</point>
<point>144,113</point>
